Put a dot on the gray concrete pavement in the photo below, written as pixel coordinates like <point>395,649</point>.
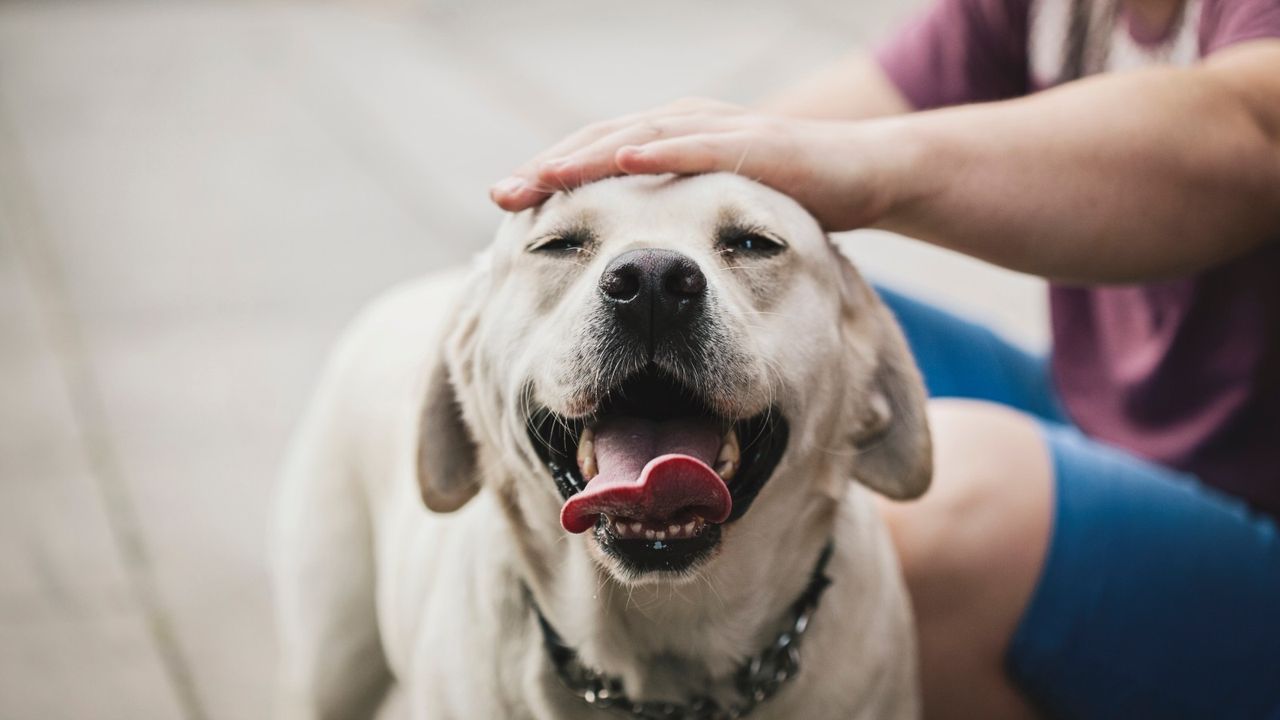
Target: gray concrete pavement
<point>195,196</point>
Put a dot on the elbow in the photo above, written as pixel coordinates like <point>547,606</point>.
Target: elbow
<point>1247,106</point>
<point>1254,171</point>
<point>1258,174</point>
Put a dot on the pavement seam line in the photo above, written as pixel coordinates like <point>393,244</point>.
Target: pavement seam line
<point>38,261</point>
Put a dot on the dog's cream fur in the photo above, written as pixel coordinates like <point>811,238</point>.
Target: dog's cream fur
<point>427,399</point>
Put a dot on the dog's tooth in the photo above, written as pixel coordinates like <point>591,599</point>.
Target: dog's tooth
<point>649,534</point>
<point>729,449</point>
<point>587,454</point>
<point>729,455</point>
<point>726,469</point>
<point>661,534</point>
<point>673,530</point>
<point>689,527</point>
<point>636,528</point>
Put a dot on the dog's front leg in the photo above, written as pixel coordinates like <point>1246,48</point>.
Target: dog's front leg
<point>331,659</point>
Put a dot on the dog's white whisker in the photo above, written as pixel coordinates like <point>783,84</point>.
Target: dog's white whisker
<point>742,159</point>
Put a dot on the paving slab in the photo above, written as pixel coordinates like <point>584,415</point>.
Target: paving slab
<point>75,642</point>
<point>214,231</point>
<point>182,173</point>
<point>204,414</point>
<point>65,667</point>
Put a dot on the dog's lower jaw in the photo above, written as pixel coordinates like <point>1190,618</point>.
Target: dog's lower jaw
<point>699,620</point>
<point>651,561</point>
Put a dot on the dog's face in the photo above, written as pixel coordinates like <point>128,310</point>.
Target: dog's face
<point>653,362</point>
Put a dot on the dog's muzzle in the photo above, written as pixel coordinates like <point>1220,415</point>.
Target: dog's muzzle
<point>653,468</point>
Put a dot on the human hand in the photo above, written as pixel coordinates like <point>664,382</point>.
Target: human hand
<point>840,171</point>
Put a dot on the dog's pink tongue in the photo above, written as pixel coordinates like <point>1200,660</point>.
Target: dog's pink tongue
<point>651,471</point>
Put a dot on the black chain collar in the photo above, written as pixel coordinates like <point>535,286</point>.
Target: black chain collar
<point>756,680</point>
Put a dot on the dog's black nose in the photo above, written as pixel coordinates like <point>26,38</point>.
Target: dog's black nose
<point>654,292</point>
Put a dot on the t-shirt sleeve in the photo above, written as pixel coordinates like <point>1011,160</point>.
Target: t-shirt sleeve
<point>1227,22</point>
<point>960,51</point>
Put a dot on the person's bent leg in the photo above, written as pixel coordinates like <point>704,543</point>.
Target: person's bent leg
<point>1158,598</point>
<point>1095,583</point>
<point>971,551</point>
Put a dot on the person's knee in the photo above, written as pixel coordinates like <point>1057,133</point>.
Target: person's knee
<point>980,531</point>
<point>971,551</point>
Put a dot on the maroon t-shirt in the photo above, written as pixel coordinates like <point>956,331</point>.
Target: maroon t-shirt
<point>1184,372</point>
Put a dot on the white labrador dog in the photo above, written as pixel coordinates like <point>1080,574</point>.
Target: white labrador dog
<point>635,424</point>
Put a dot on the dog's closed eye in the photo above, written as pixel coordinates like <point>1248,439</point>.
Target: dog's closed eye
<point>748,240</point>
<point>569,241</point>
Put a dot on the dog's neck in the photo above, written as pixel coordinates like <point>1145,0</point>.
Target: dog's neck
<point>671,638</point>
<point>756,679</point>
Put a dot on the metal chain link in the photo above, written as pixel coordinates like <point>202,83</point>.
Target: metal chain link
<point>757,680</point>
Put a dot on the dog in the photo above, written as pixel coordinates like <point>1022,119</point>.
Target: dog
<point>643,426</point>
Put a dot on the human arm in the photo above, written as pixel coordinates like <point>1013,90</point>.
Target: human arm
<point>1115,178</point>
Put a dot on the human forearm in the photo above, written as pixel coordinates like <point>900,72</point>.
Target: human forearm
<point>1120,178</point>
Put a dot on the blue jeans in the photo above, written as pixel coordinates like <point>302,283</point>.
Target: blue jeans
<point>1159,596</point>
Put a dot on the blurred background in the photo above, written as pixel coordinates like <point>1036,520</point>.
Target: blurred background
<point>196,196</point>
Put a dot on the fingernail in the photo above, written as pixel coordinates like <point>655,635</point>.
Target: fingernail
<point>631,150</point>
<point>509,185</point>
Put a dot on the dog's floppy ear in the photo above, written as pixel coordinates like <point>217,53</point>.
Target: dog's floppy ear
<point>894,450</point>
<point>448,472</point>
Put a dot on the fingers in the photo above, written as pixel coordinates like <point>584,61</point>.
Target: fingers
<point>598,160</point>
<point>737,152</point>
<point>591,151</point>
<point>514,193</point>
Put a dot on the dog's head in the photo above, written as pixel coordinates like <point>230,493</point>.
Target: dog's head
<point>655,362</point>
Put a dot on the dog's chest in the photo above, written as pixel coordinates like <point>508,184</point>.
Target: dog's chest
<point>522,683</point>
<point>492,662</point>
